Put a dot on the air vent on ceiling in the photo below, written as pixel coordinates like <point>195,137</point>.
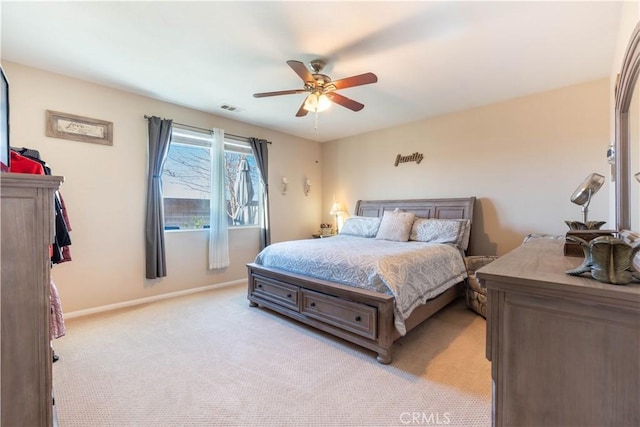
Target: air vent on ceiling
<point>231,108</point>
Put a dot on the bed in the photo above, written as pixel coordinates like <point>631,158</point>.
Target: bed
<point>374,314</point>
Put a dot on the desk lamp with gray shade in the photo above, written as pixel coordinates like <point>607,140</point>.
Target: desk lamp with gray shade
<point>582,196</point>
<point>607,258</point>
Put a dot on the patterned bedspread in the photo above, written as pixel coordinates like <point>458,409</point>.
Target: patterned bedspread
<point>412,272</point>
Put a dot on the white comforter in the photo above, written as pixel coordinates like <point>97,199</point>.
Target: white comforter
<point>412,272</point>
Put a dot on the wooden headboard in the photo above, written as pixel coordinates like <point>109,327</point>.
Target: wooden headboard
<point>461,208</point>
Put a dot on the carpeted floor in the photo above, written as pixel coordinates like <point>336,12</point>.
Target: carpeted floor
<point>209,359</point>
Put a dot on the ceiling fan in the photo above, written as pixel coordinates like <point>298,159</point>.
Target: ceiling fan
<point>321,89</point>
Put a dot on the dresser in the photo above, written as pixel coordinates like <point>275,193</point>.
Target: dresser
<point>27,217</point>
<point>564,350</point>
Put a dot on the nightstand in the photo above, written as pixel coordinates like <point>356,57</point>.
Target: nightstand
<point>322,236</point>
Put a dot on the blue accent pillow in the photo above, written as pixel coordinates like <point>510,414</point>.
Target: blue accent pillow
<point>434,230</point>
<point>361,226</point>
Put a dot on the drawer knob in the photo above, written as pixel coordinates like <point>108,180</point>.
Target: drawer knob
<point>259,286</point>
<point>313,304</point>
<point>288,295</point>
<point>358,318</point>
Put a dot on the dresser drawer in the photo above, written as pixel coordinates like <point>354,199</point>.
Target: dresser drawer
<point>280,293</point>
<point>351,316</point>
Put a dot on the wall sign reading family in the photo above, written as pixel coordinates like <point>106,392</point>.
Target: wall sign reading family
<point>78,128</point>
<point>415,157</point>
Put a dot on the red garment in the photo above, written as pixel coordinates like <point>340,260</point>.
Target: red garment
<point>20,164</point>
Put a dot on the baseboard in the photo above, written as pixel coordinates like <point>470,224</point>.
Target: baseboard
<point>110,307</point>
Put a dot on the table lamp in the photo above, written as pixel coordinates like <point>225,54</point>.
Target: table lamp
<point>336,210</point>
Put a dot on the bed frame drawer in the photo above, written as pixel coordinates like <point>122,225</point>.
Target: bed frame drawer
<point>280,293</point>
<point>355,317</point>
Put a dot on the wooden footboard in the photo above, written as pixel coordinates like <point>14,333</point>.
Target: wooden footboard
<point>357,315</point>
<point>360,316</point>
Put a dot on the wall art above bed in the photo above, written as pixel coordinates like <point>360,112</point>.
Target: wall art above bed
<point>415,157</point>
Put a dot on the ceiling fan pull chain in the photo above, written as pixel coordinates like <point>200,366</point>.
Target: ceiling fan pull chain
<point>316,127</point>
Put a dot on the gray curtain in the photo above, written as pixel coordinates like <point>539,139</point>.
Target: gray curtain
<point>261,153</point>
<point>159,138</point>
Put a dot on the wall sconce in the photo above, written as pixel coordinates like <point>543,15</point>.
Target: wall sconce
<point>284,185</point>
<point>637,176</point>
<point>611,154</point>
<point>307,187</point>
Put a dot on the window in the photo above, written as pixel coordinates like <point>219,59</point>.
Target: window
<point>186,182</point>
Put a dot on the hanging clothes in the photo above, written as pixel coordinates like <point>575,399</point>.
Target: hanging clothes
<point>62,238</point>
<point>56,324</point>
<point>28,161</point>
<point>22,164</point>
<point>25,160</point>
<point>66,252</point>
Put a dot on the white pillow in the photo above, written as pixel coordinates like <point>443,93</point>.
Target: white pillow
<point>395,226</point>
<point>361,226</point>
<point>435,230</point>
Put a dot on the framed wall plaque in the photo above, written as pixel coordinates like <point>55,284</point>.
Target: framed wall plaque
<point>78,128</point>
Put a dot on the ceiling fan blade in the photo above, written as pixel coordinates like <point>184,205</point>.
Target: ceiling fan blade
<point>301,70</point>
<point>345,102</point>
<point>359,80</point>
<point>281,92</point>
<point>302,112</point>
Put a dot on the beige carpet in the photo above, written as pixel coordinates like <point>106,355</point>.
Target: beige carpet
<point>209,359</point>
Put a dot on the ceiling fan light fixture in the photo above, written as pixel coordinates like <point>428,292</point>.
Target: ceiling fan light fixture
<point>316,103</point>
<point>321,89</point>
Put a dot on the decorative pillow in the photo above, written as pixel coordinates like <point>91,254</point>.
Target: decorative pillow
<point>464,242</point>
<point>361,226</point>
<point>395,226</point>
<point>434,230</point>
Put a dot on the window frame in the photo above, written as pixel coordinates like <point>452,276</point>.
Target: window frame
<point>200,138</point>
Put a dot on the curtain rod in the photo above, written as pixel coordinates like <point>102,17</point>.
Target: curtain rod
<point>243,138</point>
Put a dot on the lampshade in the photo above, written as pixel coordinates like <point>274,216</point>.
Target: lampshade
<point>316,102</point>
<point>336,209</point>
<point>588,187</point>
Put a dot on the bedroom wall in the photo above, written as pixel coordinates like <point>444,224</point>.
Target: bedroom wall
<point>105,192</point>
<point>522,159</point>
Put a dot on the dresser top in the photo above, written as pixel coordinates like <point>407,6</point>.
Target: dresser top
<point>28,180</point>
<point>540,265</point>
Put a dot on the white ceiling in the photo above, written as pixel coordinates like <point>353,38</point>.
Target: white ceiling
<point>431,58</point>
